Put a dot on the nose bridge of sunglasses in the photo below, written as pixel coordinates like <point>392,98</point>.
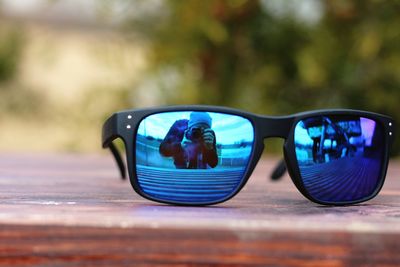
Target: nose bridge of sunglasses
<point>280,127</point>
<point>275,126</point>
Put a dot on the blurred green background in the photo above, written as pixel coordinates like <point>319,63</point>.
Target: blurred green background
<point>65,65</point>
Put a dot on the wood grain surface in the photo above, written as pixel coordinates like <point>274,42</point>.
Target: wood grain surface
<point>73,210</point>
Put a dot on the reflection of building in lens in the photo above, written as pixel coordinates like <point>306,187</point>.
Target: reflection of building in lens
<point>333,138</point>
<point>339,157</point>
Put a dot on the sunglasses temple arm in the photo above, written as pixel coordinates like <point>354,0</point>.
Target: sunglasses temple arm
<point>118,159</point>
<point>279,170</point>
<point>109,134</point>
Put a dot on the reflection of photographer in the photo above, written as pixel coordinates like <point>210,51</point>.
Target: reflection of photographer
<point>192,143</point>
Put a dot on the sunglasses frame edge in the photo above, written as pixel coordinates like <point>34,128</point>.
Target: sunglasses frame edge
<point>291,158</point>
<point>130,136</point>
<point>126,123</point>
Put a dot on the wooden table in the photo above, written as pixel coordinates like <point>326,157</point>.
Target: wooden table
<point>73,210</point>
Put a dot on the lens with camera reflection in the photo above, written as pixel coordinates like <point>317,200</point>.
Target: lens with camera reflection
<point>339,157</point>
<point>192,157</point>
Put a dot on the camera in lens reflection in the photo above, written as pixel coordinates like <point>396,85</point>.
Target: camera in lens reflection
<point>191,143</point>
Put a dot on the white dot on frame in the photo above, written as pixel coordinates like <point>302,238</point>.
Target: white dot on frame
<point>128,126</point>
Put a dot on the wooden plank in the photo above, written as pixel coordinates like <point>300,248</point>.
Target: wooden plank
<point>89,246</point>
<point>72,210</point>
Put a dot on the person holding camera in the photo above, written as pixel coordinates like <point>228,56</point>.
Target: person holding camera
<point>192,143</point>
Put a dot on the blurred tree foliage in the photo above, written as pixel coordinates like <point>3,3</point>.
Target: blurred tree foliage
<point>10,51</point>
<point>240,53</point>
<point>15,98</point>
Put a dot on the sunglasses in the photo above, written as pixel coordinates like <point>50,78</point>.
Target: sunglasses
<point>202,155</point>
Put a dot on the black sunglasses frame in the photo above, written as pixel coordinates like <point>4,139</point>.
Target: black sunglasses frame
<point>124,125</point>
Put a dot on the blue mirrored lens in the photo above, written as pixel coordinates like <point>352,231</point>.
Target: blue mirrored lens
<point>339,157</point>
<point>192,157</point>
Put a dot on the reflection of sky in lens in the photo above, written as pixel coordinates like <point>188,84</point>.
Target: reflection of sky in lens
<point>367,129</point>
<point>228,128</point>
<point>301,135</point>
